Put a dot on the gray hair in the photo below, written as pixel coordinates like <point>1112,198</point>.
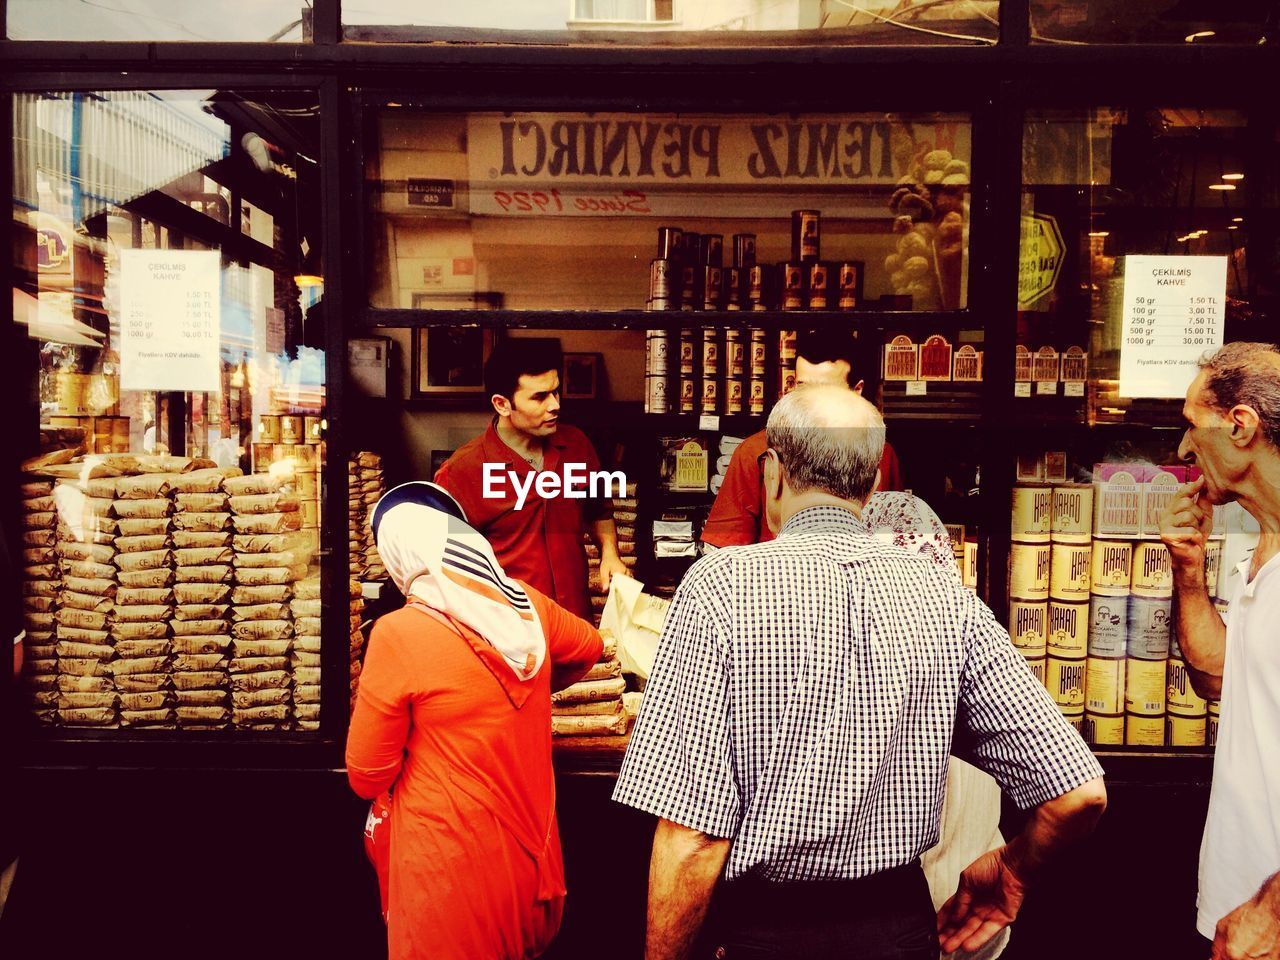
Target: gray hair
<point>832,447</point>
<point>1248,374</point>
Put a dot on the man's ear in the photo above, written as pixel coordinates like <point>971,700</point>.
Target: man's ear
<point>501,405</point>
<point>1244,424</point>
<point>857,387</point>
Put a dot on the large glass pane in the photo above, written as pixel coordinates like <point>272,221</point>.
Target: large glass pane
<point>168,279</point>
<point>744,22</point>
<point>559,211</point>
<point>1150,21</point>
<point>1147,243</point>
<point>259,20</point>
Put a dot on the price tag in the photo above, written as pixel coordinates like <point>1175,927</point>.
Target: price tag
<point>917,388</point>
<point>1022,389</point>
<point>1073,389</point>
<point>171,314</point>
<point>708,421</point>
<point>1174,309</point>
<point>1046,388</point>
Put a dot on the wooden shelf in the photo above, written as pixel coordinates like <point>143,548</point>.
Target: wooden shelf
<point>654,320</point>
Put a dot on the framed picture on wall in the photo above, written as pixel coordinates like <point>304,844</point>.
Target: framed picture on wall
<point>580,376</point>
<point>449,361</point>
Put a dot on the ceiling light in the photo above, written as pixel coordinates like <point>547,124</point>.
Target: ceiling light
<point>1222,186</point>
<point>1233,176</point>
<point>1237,219</point>
<point>1099,233</point>
<point>1233,227</point>
<point>1200,35</point>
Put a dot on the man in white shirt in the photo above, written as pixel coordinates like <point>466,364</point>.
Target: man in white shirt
<point>1233,435</point>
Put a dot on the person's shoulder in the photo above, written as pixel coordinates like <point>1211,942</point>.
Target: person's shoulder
<point>467,455</point>
<point>572,438</point>
<point>753,445</point>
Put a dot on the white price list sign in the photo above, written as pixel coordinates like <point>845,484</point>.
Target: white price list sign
<point>170,324</point>
<point>1173,314</point>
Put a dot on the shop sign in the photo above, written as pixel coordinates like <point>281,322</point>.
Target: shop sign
<point>1039,260</point>
<point>170,320</point>
<point>1173,314</point>
<point>540,164</point>
<point>51,248</point>
<point>437,194</point>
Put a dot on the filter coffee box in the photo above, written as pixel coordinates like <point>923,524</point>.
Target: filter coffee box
<point>684,463</point>
<point>1118,489</point>
<point>1158,488</point>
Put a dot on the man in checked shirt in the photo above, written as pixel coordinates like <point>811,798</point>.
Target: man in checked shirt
<point>795,731</point>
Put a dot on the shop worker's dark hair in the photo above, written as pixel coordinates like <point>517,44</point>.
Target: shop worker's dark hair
<point>821,346</point>
<point>514,358</point>
<point>1249,374</point>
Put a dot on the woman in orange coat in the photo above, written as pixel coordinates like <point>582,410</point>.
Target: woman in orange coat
<point>454,716</point>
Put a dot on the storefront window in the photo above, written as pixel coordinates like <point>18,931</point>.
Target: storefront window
<point>189,20</point>
<point>1160,21</point>
<point>576,211</point>
<point>679,22</point>
<point>167,274</point>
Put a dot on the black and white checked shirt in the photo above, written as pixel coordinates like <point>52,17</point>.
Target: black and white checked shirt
<point>808,691</point>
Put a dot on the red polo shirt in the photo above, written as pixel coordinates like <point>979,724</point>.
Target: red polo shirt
<point>737,516</point>
<point>541,543</point>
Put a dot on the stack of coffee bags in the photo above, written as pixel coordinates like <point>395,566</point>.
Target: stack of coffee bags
<point>593,706</point>
<point>41,590</point>
<point>372,487</point>
<point>304,659</point>
<point>264,514</point>
<point>144,600</point>
<point>357,638</point>
<point>87,550</point>
<point>728,445</point>
<point>355,519</point>
<point>201,625</point>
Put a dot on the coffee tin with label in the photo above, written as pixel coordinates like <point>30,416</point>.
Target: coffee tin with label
<point>1032,513</point>
<point>656,398</point>
<point>1074,716</point>
<point>850,280</point>
<point>1181,697</point>
<point>269,429</point>
<point>733,399</point>
<point>670,243</point>
<point>1212,565</point>
<point>657,352</point>
<point>787,346</point>
<point>1072,513</point>
<point>1144,731</point>
<point>1068,630</point>
<point>1069,572</point>
<point>1036,666</point>
<point>792,286</point>
<point>1144,687</point>
<point>1029,571</point>
<point>710,352</point>
<point>1103,730</point>
<point>1104,685</point>
<point>687,352</point>
<point>806,235</point>
<point>756,287</point>
<point>1211,729</point>
<point>710,395</point>
<point>734,353</point>
<point>1108,626</point>
<point>712,287</point>
<point>819,286</point>
<point>291,429</point>
<point>731,281</point>
<point>786,380</point>
<point>1150,628</point>
<point>744,249</point>
<point>661,276</point>
<point>755,397</point>
<point>312,427</point>
<point>1111,564</point>
<point>688,394</point>
<point>1186,731</point>
<point>1152,570</point>
<point>1065,680</point>
<point>759,352</point>
<point>1028,627</point>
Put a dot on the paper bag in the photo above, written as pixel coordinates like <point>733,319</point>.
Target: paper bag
<point>633,619</point>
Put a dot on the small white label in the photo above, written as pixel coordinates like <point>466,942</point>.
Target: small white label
<point>1046,388</point>
<point>1022,389</point>
<point>708,421</point>
<point>1074,388</point>
<point>917,388</point>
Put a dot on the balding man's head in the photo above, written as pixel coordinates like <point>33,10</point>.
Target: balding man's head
<point>1245,374</point>
<point>828,438</point>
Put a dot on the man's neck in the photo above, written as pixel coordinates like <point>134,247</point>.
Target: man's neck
<point>1259,495</point>
<point>813,498</point>
<point>529,448</point>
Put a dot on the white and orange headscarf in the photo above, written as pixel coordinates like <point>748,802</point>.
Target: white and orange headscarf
<point>434,555</point>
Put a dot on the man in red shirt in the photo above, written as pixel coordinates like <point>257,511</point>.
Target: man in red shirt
<point>535,529</point>
<point>736,516</point>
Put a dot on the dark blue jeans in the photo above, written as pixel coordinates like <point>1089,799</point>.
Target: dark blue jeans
<point>888,916</point>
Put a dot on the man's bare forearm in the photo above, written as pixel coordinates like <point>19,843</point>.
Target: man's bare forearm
<point>683,872</point>
<point>1054,825</point>
<point>605,533</point>
<point>1201,633</point>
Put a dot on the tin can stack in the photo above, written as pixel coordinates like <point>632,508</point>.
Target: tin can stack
<point>1029,559</point>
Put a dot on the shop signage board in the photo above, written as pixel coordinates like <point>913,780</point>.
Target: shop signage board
<point>1040,259</point>
<point>1173,315</point>
<point>170,310</point>
<point>574,165</point>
